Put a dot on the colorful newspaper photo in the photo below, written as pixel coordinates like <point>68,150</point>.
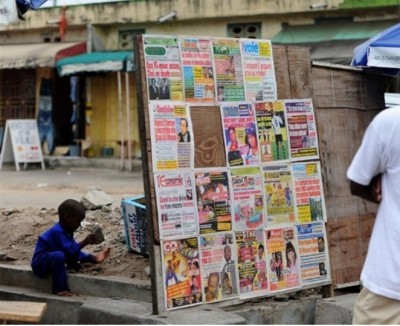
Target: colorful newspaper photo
<point>198,71</point>
<point>240,134</point>
<point>272,132</point>
<point>247,198</point>
<point>218,266</point>
<point>283,258</point>
<point>228,69</point>
<point>213,201</point>
<point>278,190</point>
<point>252,266</point>
<point>309,192</point>
<point>302,129</point>
<point>314,255</point>
<point>181,272</point>
<point>176,204</point>
<point>171,136</point>
<point>258,70</point>
<point>163,67</point>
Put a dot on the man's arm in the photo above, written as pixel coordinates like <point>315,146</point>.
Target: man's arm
<point>372,192</point>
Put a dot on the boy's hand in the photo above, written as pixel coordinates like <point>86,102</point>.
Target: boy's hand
<point>102,255</point>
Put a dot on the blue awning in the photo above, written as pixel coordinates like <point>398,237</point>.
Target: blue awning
<point>96,62</point>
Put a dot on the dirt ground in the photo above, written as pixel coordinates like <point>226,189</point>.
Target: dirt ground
<point>21,227</point>
<point>28,206</point>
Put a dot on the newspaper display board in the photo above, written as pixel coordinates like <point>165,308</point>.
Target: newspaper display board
<point>21,143</point>
<point>264,211</point>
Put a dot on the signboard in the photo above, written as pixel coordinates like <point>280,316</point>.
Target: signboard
<point>8,12</point>
<point>21,143</point>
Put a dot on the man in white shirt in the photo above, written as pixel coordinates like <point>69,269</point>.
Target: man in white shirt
<point>375,176</point>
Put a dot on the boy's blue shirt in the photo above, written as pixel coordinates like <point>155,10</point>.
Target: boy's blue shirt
<point>58,239</point>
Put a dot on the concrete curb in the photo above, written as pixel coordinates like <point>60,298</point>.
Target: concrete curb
<point>114,300</point>
<point>80,284</point>
<point>338,309</point>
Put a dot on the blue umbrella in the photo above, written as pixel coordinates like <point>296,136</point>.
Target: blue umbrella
<point>380,53</point>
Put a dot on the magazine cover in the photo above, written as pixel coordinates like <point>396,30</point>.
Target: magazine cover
<point>278,190</point>
<point>283,258</point>
<point>247,198</point>
<point>303,138</point>
<point>181,273</point>
<point>163,67</point>
<point>314,255</point>
<point>272,132</point>
<point>240,134</point>
<point>213,201</point>
<point>252,266</point>
<point>171,136</point>
<point>258,70</point>
<point>309,192</point>
<point>198,72</point>
<point>175,204</point>
<point>218,266</point>
<point>228,69</point>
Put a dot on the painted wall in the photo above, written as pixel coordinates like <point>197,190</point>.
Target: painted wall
<point>105,117</point>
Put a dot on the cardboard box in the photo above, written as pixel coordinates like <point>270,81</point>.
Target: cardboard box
<point>136,225</point>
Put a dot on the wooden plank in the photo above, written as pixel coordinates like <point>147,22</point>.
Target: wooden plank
<point>299,63</point>
<point>208,135</point>
<point>148,179</point>
<point>281,72</point>
<point>348,239</point>
<point>22,311</point>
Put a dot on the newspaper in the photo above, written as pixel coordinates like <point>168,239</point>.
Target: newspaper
<point>218,266</point>
<point>175,204</point>
<point>258,70</point>
<point>228,69</point>
<point>283,258</point>
<point>171,136</point>
<point>302,129</point>
<point>163,67</point>
<point>240,134</point>
<point>272,132</point>
<point>198,74</point>
<point>247,195</point>
<point>213,201</point>
<point>278,189</point>
<point>252,266</point>
<point>181,272</point>
<point>314,256</point>
<point>309,192</point>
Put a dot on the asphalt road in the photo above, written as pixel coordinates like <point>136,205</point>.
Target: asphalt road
<point>39,188</point>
